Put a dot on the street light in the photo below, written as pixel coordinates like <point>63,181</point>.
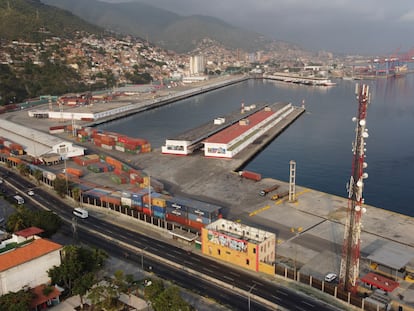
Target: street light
<point>142,257</point>
<point>297,231</point>
<point>248,296</point>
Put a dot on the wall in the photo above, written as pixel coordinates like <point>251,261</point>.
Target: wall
<point>30,274</point>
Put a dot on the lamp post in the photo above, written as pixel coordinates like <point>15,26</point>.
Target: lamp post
<point>248,296</point>
<point>296,231</point>
<point>142,257</point>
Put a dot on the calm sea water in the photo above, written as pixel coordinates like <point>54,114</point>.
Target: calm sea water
<point>320,141</point>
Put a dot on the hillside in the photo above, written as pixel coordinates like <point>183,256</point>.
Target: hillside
<point>33,21</point>
<point>163,28</point>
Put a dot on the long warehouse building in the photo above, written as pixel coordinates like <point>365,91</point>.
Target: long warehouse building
<point>230,141</point>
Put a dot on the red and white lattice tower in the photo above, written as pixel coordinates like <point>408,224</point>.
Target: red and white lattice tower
<point>351,248</point>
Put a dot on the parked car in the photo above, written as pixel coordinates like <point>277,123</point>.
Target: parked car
<point>330,277</point>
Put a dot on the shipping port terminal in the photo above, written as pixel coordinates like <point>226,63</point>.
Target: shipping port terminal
<point>309,231</point>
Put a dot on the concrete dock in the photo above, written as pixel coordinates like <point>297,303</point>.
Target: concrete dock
<point>310,231</point>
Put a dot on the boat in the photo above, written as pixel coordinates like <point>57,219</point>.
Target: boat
<point>400,70</point>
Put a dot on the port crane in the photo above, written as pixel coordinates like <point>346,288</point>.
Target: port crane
<point>351,247</point>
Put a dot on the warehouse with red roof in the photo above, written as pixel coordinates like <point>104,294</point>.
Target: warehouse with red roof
<point>233,139</point>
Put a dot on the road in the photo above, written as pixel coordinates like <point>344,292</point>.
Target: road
<point>188,270</point>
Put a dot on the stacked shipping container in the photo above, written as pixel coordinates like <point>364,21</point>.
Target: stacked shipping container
<point>10,148</point>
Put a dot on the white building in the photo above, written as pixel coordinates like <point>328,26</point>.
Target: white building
<point>37,143</point>
<point>26,265</point>
<point>197,65</point>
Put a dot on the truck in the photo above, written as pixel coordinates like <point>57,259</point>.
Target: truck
<point>19,200</point>
<point>278,196</point>
<point>265,191</point>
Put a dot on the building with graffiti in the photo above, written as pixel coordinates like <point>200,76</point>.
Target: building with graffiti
<point>245,246</point>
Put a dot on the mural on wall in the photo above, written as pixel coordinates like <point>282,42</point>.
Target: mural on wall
<point>227,241</point>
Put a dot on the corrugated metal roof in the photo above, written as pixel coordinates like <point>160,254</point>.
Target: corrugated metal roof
<point>392,255</point>
<point>380,281</point>
<point>188,202</point>
<point>234,131</point>
<point>33,141</point>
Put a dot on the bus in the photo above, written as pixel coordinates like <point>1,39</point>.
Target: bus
<point>19,200</point>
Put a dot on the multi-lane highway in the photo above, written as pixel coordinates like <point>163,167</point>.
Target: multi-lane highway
<point>236,288</point>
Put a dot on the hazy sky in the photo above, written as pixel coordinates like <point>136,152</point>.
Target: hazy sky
<point>376,27</point>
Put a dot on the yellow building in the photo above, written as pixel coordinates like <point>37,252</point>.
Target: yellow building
<point>245,246</point>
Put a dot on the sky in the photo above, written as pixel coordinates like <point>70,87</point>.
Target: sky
<point>374,27</point>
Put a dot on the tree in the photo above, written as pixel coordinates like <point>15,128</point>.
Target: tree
<point>106,294</point>
<point>46,220</point>
<point>38,175</point>
<point>25,218</point>
<point>23,169</point>
<point>82,285</point>
<point>19,301</point>
<point>170,300</point>
<point>77,262</point>
<point>19,220</point>
<point>62,186</point>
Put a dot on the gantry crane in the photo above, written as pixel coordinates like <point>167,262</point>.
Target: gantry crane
<point>351,248</point>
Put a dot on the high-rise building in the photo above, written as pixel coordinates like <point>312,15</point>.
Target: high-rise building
<point>197,65</point>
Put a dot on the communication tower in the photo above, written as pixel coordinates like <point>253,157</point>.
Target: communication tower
<point>351,248</point>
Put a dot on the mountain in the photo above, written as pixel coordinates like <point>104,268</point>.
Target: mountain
<point>33,20</point>
<point>161,27</point>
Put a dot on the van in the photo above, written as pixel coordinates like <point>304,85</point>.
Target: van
<point>80,212</point>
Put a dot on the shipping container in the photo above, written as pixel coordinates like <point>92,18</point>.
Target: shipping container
<point>111,199</point>
<point>146,211</point>
<point>159,214</point>
<point>251,175</point>
<point>176,218</point>
<point>74,171</point>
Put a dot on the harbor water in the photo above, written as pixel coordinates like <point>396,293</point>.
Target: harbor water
<point>320,141</point>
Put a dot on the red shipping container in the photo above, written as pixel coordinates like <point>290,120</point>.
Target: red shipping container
<point>195,224</point>
<point>147,211</point>
<point>251,175</point>
<point>175,218</point>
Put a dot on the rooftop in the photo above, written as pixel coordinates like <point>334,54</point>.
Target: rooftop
<point>30,251</point>
<point>232,132</point>
<point>31,231</point>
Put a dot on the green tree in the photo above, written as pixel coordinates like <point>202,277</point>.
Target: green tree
<point>23,169</point>
<point>62,186</point>
<point>18,301</point>
<point>19,220</point>
<point>24,218</point>
<point>82,285</point>
<point>76,263</point>
<point>38,175</point>
<point>171,300</point>
<point>106,294</point>
<point>46,220</point>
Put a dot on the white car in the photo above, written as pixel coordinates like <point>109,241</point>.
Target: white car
<point>330,277</point>
<point>30,192</point>
<point>80,212</point>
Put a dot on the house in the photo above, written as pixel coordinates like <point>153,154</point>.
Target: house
<point>25,259</point>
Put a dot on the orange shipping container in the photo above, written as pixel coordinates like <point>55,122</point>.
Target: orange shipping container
<point>74,171</point>
<point>14,160</point>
